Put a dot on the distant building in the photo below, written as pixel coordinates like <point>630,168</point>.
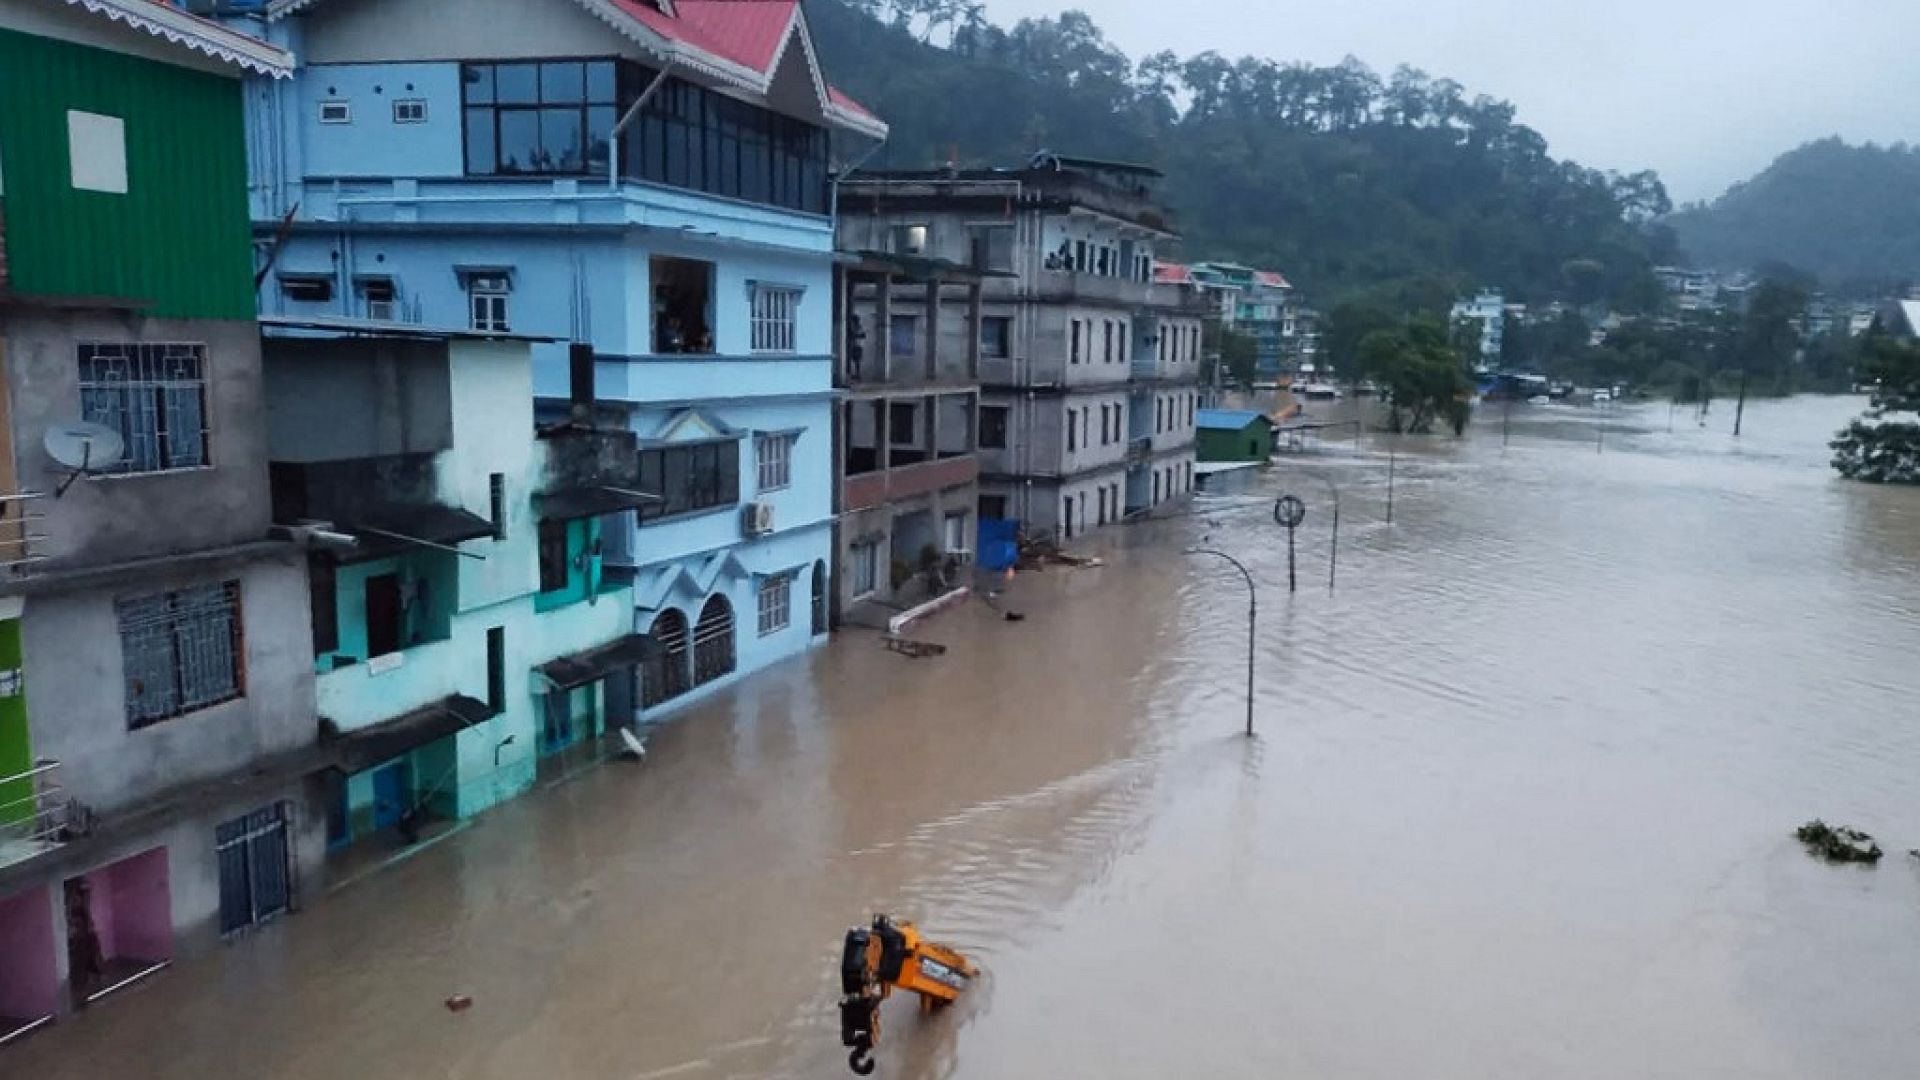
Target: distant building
<point>1487,312</point>
<point>158,745</point>
<point>1234,435</point>
<point>1089,377</point>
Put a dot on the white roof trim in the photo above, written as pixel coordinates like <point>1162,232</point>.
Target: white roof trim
<point>192,32</point>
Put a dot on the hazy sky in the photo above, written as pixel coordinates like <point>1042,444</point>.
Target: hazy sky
<point>1705,91</point>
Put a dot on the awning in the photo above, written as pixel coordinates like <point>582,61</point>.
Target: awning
<point>591,665</point>
<point>572,504</point>
<point>366,747</point>
<point>401,528</point>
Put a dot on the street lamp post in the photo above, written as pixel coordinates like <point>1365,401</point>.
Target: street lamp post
<point>1333,548</point>
<point>1253,618</point>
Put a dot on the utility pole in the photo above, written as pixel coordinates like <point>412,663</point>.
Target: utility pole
<point>1740,405</point>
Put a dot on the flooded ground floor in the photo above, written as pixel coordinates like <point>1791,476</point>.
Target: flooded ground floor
<point>1521,806</point>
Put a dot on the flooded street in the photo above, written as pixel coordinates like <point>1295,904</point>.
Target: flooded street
<point>1521,806</point>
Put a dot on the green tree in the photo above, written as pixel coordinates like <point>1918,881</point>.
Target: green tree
<point>1346,327</point>
<point>1881,447</point>
<point>1421,372</point>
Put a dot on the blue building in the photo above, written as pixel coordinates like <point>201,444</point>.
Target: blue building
<point>644,181</point>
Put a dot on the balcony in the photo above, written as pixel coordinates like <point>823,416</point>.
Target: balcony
<point>866,490</point>
<point>1139,447</point>
<point>21,545</point>
<point>36,813</point>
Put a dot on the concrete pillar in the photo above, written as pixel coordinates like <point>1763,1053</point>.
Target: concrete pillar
<point>930,356</point>
<point>973,332</point>
<point>883,333</point>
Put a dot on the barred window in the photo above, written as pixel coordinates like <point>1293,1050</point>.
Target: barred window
<point>773,318</point>
<point>487,302</point>
<point>776,595</point>
<point>866,567</point>
<point>155,395</point>
<point>181,651</point>
<point>773,458</point>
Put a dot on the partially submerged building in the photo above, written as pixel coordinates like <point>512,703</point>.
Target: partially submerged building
<point>158,745</point>
<point>1089,370</point>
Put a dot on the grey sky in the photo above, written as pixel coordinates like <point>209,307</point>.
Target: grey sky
<point>1705,91</point>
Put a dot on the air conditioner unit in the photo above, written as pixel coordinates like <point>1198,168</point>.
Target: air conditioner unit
<point>756,518</point>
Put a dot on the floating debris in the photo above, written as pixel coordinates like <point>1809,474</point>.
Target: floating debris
<point>1837,843</point>
<point>914,649</point>
<point>459,1003</point>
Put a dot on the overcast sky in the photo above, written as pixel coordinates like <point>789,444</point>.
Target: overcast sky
<point>1707,92</point>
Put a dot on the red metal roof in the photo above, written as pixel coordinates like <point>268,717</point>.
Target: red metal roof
<point>839,97</point>
<point>1272,279</point>
<point>749,34</point>
<point>1172,273</point>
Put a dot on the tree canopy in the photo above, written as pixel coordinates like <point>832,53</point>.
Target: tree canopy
<point>1405,187</point>
<point>1884,446</point>
<point>1845,213</point>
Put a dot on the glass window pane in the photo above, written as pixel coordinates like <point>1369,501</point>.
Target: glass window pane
<point>675,480</point>
<point>519,140</point>
<point>478,80</point>
<point>563,83</point>
<point>600,82</point>
<point>480,147</point>
<point>600,121</point>
<point>517,84</point>
<point>561,147</point>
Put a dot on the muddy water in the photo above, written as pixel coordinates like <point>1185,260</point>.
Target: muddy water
<point>1519,807</point>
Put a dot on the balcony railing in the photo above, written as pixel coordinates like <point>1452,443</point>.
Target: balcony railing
<point>1140,447</point>
<point>21,544</point>
<point>36,813</point>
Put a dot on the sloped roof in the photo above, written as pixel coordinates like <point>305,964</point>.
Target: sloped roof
<point>1271,279</point>
<point>1227,419</point>
<point>1172,273</point>
<point>741,42</point>
<point>192,32</point>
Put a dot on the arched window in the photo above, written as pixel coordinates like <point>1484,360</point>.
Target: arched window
<point>663,675</point>
<point>819,597</point>
<point>713,641</point>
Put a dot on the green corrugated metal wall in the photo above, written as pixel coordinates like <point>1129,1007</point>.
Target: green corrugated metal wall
<point>179,237</point>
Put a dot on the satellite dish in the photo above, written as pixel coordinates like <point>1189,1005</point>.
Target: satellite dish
<point>84,448</point>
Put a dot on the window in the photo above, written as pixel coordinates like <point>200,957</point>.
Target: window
<point>663,673</point>
<point>996,337</point>
<point>1073,355</point>
<point>1106,328</point>
<point>773,318</point>
<point>773,460</point>
<point>993,507</point>
<point>903,335</point>
<point>901,416</point>
<point>909,239</point>
<point>497,504</point>
<point>336,112</point>
<point>1072,433</point>
<point>691,137</point>
<point>1159,415</point>
<point>682,305</point>
<point>496,669</point>
<point>307,288</point>
<point>690,477</point>
<point>377,298</point>
<point>154,395</point>
<point>776,594</point>
<point>865,557</point>
<point>487,302</point>
<point>322,604</point>
<point>551,118</point>
<point>713,654</point>
<point>992,247</point>
<point>993,427</point>
<point>1080,255</point>
<point>409,111</point>
<point>180,651</point>
<point>954,532</point>
<point>1189,410</point>
<point>553,556</point>
<point>1123,343</point>
<point>255,884</point>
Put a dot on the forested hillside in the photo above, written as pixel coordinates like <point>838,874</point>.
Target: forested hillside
<point>1849,214</point>
<point>1406,188</point>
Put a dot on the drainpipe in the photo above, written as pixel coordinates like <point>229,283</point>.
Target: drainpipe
<point>632,113</point>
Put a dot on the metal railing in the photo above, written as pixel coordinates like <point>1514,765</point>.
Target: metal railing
<point>21,542</point>
<point>36,813</point>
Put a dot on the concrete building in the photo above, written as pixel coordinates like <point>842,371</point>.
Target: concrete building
<point>1088,415</point>
<point>157,734</point>
<point>912,339</point>
<point>646,183</point>
<point>1486,315</point>
<point>454,650</point>
<point>1260,306</point>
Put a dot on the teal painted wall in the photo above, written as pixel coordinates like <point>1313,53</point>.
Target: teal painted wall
<point>180,236</point>
<point>16,743</point>
<point>1251,443</point>
<point>429,619</point>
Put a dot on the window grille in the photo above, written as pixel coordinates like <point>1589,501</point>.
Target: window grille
<point>776,595</point>
<point>155,395</point>
<point>774,310</point>
<point>181,651</point>
<point>773,459</point>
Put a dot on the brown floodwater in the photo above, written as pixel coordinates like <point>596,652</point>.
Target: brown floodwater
<point>1520,806</point>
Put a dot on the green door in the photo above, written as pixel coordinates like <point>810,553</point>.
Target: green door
<point>16,750</point>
